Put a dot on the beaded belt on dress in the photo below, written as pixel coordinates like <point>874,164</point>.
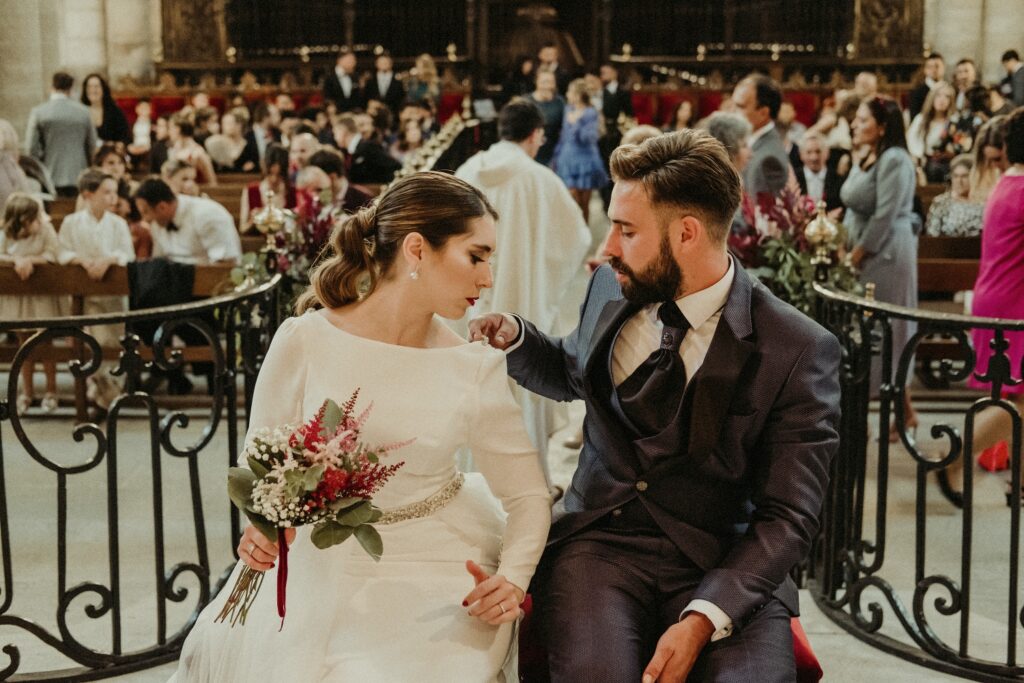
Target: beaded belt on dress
<point>427,506</point>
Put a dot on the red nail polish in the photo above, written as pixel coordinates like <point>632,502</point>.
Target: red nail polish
<point>465,603</point>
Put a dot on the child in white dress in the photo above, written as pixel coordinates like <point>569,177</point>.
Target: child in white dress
<point>27,239</point>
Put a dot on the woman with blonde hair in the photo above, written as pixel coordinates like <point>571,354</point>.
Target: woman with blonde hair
<point>442,603</point>
<point>577,159</point>
<point>928,138</point>
<point>424,81</point>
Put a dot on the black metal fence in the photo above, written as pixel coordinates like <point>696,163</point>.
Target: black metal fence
<point>230,333</point>
<point>953,601</point>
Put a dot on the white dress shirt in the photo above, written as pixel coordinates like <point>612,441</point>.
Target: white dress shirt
<point>815,183</point>
<point>345,80</point>
<point>641,336</point>
<point>83,236</point>
<point>205,233</point>
<point>384,81</point>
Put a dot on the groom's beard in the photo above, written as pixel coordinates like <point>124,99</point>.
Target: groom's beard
<point>658,282</point>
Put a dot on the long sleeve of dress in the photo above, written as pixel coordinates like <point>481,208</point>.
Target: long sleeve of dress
<point>915,138</point>
<point>895,184</point>
<point>281,383</point>
<point>503,454</point>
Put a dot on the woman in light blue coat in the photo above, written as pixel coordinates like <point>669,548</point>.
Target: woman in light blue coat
<point>879,196</point>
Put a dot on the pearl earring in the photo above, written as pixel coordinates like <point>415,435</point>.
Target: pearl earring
<point>415,275</point>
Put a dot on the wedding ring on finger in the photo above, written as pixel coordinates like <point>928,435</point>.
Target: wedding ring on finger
<point>502,606</point>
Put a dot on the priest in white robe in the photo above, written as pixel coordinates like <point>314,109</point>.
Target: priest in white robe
<point>542,239</point>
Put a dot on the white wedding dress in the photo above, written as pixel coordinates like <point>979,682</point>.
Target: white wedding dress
<point>400,619</point>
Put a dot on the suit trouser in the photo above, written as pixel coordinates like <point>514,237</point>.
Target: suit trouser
<point>607,594</point>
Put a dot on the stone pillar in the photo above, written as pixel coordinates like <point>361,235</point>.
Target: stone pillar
<point>82,37</point>
<point>22,63</point>
<point>129,41</point>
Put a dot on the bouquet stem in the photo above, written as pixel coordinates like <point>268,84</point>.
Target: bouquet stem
<point>243,595</point>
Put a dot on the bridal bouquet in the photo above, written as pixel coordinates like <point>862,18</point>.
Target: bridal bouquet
<point>318,473</point>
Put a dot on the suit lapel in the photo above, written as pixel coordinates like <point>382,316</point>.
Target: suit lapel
<point>715,382</point>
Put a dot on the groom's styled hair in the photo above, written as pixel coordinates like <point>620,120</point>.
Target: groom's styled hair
<point>687,170</point>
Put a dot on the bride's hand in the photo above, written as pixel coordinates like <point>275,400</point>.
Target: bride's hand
<point>499,329</point>
<point>495,599</point>
<point>258,551</point>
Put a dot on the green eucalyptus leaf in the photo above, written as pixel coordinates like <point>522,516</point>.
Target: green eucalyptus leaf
<point>312,476</point>
<point>344,504</point>
<point>331,420</point>
<point>240,484</point>
<point>371,541</point>
<point>263,525</point>
<point>360,514</point>
<point>257,467</point>
<point>329,533</point>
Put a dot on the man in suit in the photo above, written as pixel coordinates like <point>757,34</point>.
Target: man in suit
<point>712,414</point>
<point>758,98</point>
<point>341,86</point>
<point>383,86</point>
<point>1012,87</point>
<point>934,72</point>
<point>344,195</point>
<point>366,160</point>
<point>265,119</point>
<point>817,179</point>
<point>547,62</point>
<point>615,101</point>
<point>61,135</point>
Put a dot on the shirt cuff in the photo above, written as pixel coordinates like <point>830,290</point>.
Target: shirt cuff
<point>714,613</point>
<point>520,337</point>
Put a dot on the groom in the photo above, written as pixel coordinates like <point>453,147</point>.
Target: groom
<point>712,410</point>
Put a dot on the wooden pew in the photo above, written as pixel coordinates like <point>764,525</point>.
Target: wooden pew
<point>72,281</point>
<point>928,193</point>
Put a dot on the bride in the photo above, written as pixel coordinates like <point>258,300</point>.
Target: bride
<point>442,604</point>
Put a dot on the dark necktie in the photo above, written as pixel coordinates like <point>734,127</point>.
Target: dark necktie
<point>171,227</point>
<point>650,397</point>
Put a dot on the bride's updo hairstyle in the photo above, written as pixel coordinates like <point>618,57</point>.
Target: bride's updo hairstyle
<point>364,246</point>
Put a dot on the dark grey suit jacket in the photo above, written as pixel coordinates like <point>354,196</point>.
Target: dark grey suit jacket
<point>741,497</point>
<point>768,168</point>
<point>61,135</point>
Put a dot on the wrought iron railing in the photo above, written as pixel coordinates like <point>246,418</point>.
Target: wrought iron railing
<point>942,590</point>
<point>230,333</point>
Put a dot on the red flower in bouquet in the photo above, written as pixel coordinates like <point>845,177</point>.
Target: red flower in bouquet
<point>320,473</point>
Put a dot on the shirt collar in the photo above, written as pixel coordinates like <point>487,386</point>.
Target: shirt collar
<point>760,132</point>
<point>341,73</point>
<point>698,307</point>
<point>58,96</point>
<point>930,82</point>
<point>354,142</point>
<point>612,86</point>
<point>816,174</point>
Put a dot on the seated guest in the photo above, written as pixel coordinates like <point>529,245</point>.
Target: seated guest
<point>965,75</point>
<point>997,104</point>
<point>989,159</point>
<point>161,143</point>
<point>344,195</point>
<point>187,229</point>
<point>790,128</point>
<point>383,85</point>
<point>12,178</point>
<point>183,147</point>
<point>274,184</point>
<point>265,119</point>
<point>285,104</point>
<point>368,161</point>
<point>142,129</point>
<point>111,124</point>
<point>929,138</point>
<point>952,213</point>
<point>142,240</point>
<point>1012,85</point>
<point>758,98</point>
<point>934,71</point>
<point>229,149</point>
<point>410,139</point>
<point>424,81</point>
<point>205,124</point>
<point>817,179</point>
<point>428,117</point>
<point>681,117</point>
<point>300,149</point>
<point>96,238</point>
<point>967,122</point>
<point>109,158</point>
<point>181,176</point>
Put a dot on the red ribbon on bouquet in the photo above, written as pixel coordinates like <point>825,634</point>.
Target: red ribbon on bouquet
<point>282,574</point>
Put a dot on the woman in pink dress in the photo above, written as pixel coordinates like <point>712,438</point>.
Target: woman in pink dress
<point>997,293</point>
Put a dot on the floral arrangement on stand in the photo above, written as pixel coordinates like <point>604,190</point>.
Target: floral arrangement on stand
<point>320,473</point>
<point>295,240</point>
<point>787,242</point>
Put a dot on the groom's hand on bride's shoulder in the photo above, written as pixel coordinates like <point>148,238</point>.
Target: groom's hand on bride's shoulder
<point>678,649</point>
<point>499,329</point>
<point>258,551</point>
<point>495,599</point>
